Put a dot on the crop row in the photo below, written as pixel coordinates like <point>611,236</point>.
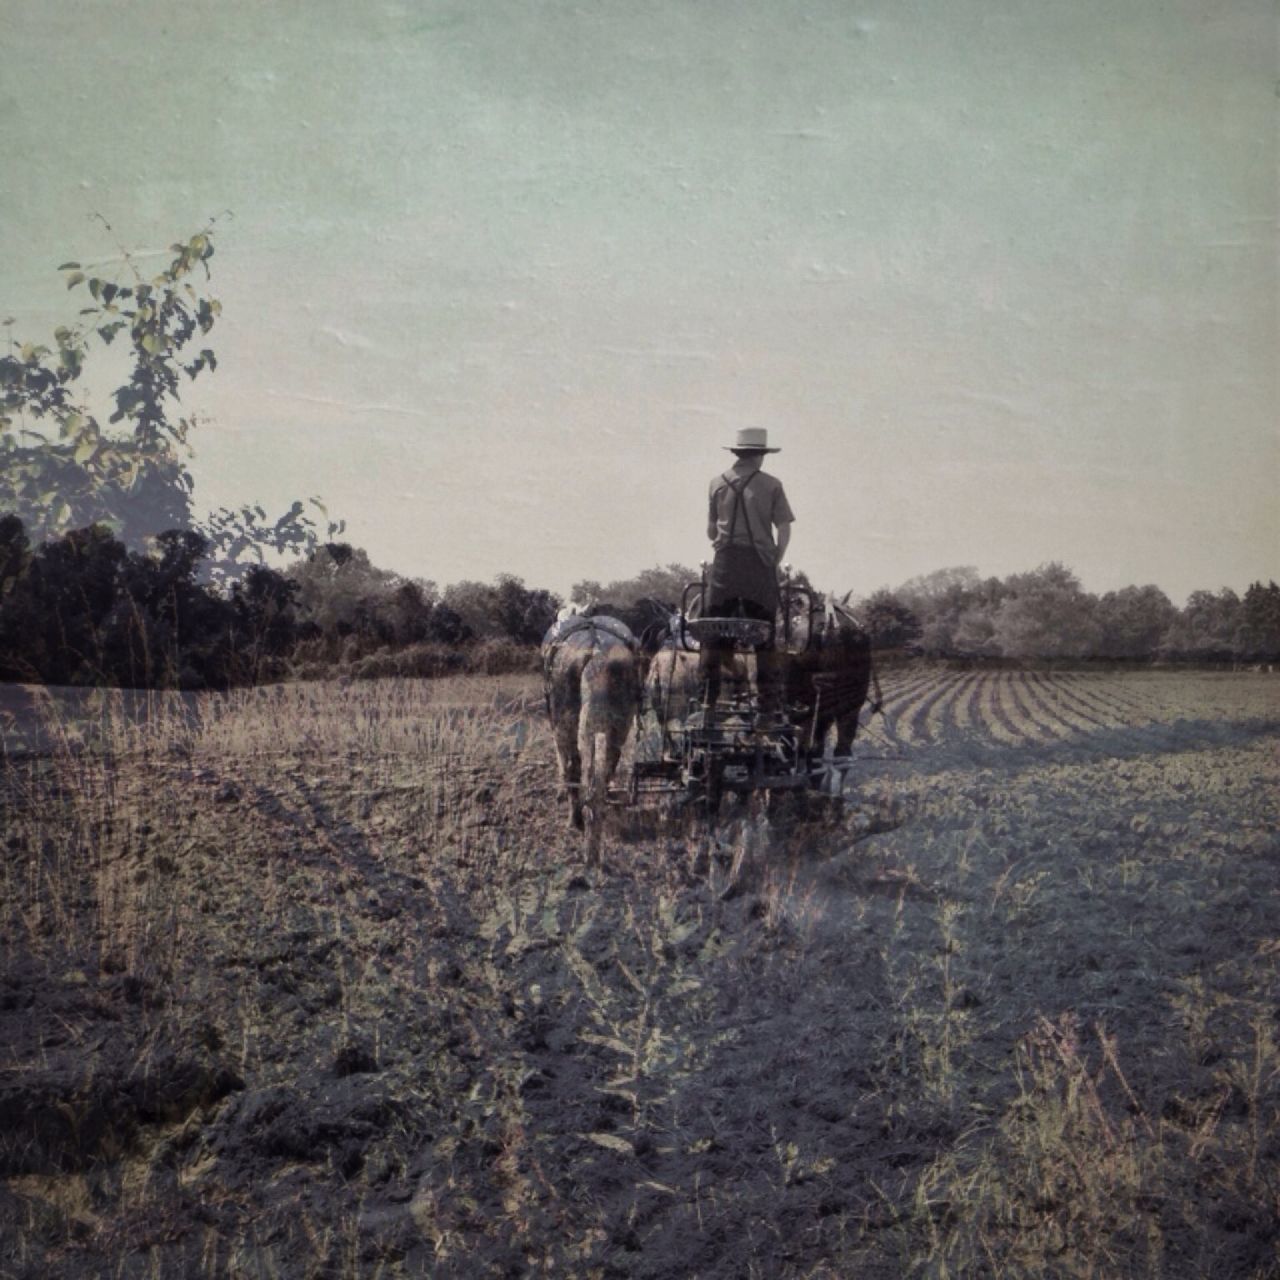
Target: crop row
<point>1016,708</point>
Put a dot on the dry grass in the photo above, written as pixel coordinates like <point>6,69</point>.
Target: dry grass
<point>310,981</point>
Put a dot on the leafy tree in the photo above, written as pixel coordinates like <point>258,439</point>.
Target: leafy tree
<point>165,627</point>
<point>1045,614</point>
<point>889,622</point>
<point>408,613</point>
<point>473,603</point>
<point>15,553</point>
<point>506,609</point>
<point>62,469</point>
<point>1133,621</point>
<point>1208,628</point>
<point>343,596</point>
<point>663,582</point>
<point>86,610</point>
<point>1260,622</point>
<point>925,593</point>
<point>974,634</point>
<point>448,627</point>
<point>339,589</point>
<point>242,537</point>
<point>522,613</point>
<point>266,621</point>
<point>956,609</point>
<point>53,623</point>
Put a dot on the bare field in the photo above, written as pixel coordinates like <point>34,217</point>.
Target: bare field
<point>310,981</point>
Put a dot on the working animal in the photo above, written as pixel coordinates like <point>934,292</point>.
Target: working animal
<point>591,675</point>
<point>827,682</point>
<point>675,684</point>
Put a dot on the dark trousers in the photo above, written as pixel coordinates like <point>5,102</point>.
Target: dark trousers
<point>712,657</point>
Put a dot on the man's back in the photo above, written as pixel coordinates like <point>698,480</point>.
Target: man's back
<point>745,504</point>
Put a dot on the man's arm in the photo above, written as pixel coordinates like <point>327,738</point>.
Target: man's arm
<point>784,537</point>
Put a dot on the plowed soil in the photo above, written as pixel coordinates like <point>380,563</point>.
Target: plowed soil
<point>313,981</point>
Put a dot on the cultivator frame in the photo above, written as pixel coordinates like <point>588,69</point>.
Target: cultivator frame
<point>736,745</point>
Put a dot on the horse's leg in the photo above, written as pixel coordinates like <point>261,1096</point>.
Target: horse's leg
<point>619,727</point>
<point>610,690</point>
<point>592,732</point>
<point>846,730</point>
<point>596,784</point>
<point>566,710</point>
<point>847,720</point>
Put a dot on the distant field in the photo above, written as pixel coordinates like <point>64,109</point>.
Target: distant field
<point>927,707</point>
<point>310,981</point>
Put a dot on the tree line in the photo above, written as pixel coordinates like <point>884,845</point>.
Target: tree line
<point>1046,614</point>
<point>82,608</point>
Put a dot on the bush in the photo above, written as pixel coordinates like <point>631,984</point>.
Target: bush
<point>417,662</point>
<point>500,657</point>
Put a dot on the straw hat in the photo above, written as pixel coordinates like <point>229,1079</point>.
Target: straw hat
<point>752,438</point>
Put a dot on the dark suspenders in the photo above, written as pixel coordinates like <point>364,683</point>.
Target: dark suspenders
<point>739,487</point>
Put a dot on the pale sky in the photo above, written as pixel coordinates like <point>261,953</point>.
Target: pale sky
<point>999,276</point>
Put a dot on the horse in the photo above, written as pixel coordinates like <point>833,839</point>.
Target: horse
<point>591,678</point>
<point>674,684</point>
<point>827,681</point>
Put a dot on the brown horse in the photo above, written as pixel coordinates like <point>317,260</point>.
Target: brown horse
<point>591,675</point>
<point>827,682</point>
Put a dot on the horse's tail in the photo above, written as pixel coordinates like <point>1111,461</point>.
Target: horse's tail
<point>593,748</point>
<point>609,693</point>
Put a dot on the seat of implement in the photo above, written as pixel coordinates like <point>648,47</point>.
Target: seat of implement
<point>745,633</point>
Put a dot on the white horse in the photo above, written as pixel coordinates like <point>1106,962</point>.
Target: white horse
<point>591,672</point>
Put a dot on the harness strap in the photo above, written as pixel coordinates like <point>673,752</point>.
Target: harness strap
<point>578,623</point>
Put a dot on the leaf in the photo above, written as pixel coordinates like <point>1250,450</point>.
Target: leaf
<point>69,266</point>
<point>611,1141</point>
<point>608,1042</point>
<point>75,278</point>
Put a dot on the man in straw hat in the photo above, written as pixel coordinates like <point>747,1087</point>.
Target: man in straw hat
<point>746,507</point>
